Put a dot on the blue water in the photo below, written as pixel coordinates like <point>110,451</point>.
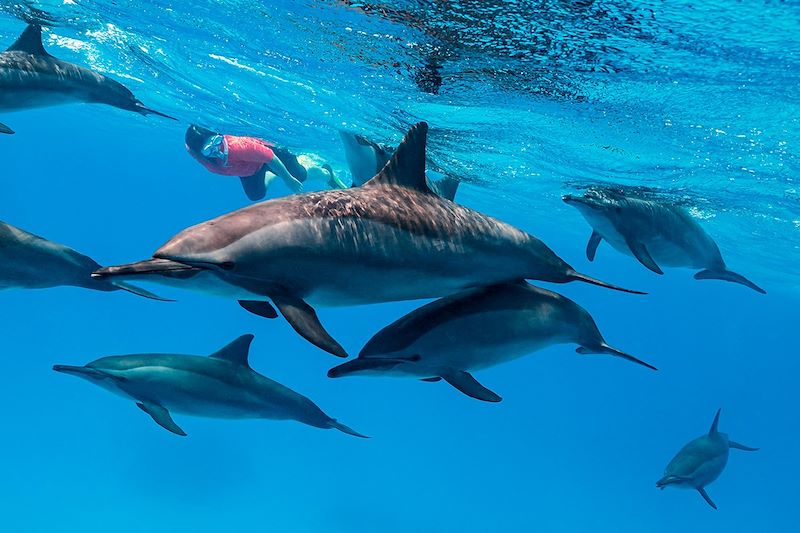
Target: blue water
<point>697,100</point>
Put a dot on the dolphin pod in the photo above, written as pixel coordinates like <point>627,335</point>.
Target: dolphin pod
<point>28,261</point>
<point>701,461</point>
<point>392,239</point>
<point>221,385</point>
<point>654,233</point>
<point>30,77</point>
<point>477,329</point>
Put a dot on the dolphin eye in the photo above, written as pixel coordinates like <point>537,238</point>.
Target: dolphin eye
<point>227,265</point>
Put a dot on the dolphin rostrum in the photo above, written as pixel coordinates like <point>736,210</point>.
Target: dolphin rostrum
<point>701,461</point>
<point>655,233</point>
<point>392,239</point>
<point>28,261</point>
<point>30,77</point>
<point>221,385</point>
<point>476,329</point>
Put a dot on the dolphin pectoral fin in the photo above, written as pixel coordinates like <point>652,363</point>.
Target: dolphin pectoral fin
<point>254,186</point>
<point>259,308</point>
<point>640,252</point>
<point>706,497</point>
<point>467,384</point>
<point>431,380</point>
<point>161,417</point>
<point>591,246</point>
<point>738,446</point>
<point>727,275</point>
<point>6,129</point>
<point>304,321</point>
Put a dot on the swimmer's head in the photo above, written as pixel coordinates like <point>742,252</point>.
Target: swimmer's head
<point>196,137</point>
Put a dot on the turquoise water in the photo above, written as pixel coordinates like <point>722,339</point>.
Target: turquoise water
<point>698,101</point>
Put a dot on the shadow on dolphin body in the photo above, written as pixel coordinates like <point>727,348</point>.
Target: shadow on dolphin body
<point>654,232</point>
<point>30,78</point>
<point>476,329</point>
<point>28,261</point>
<point>222,385</point>
<point>392,239</point>
<point>701,461</point>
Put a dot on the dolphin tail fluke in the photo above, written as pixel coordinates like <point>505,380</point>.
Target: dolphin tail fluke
<point>728,275</point>
<point>577,276</point>
<point>737,446</point>
<point>6,129</point>
<point>345,429</point>
<point>706,497</point>
<point>606,349</point>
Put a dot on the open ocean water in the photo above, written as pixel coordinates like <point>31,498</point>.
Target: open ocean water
<point>697,101</point>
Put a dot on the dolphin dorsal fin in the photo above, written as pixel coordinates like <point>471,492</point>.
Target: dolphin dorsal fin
<point>406,168</point>
<point>30,41</point>
<point>236,352</point>
<point>714,424</point>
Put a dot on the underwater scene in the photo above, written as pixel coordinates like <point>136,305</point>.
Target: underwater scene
<point>399,266</point>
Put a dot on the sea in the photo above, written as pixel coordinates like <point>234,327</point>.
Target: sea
<point>695,102</point>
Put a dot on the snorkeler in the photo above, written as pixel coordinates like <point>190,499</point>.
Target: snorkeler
<point>255,161</point>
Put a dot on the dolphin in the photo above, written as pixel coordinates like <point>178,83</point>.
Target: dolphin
<point>653,232</point>
<point>392,239</point>
<point>476,329</point>
<point>701,461</point>
<point>30,262</point>
<point>30,77</point>
<point>221,385</point>
<point>366,158</point>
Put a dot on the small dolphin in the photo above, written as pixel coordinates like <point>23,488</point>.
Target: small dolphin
<point>364,157</point>
<point>654,233</point>
<point>28,261</point>
<point>30,77</point>
<point>392,239</point>
<point>477,329</point>
<point>701,462</point>
<point>219,386</point>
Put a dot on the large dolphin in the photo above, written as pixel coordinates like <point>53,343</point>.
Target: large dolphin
<point>221,385</point>
<point>392,239</point>
<point>701,461</point>
<point>28,261</point>
<point>30,77</point>
<point>653,232</point>
<point>476,329</point>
